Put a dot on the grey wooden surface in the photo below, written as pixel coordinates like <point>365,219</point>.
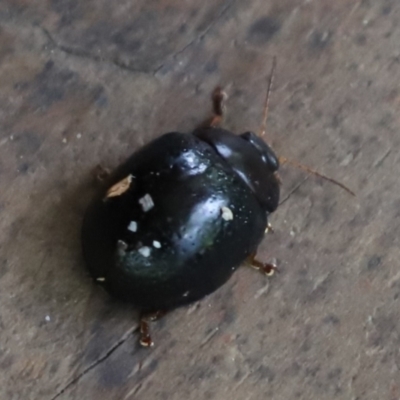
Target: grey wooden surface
<point>87,82</point>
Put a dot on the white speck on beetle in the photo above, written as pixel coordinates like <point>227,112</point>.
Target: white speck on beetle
<point>145,251</point>
<point>132,226</point>
<point>186,294</point>
<point>227,214</point>
<point>47,318</point>
<point>101,279</point>
<point>146,202</point>
<point>122,245</point>
<point>156,244</point>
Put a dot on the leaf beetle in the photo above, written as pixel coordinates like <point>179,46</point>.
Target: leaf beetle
<point>176,220</point>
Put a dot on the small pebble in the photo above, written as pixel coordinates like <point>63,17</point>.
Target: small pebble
<point>156,244</point>
<point>47,318</point>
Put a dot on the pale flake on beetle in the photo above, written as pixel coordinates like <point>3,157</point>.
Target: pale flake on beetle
<point>156,244</point>
<point>121,247</point>
<point>226,214</point>
<point>146,202</point>
<point>132,226</point>
<point>186,294</point>
<point>145,251</point>
<point>120,187</point>
<point>101,279</point>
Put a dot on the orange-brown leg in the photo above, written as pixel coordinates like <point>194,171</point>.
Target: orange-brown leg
<point>267,268</point>
<point>218,100</point>
<point>145,337</point>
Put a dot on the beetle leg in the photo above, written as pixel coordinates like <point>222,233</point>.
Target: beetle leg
<point>218,100</point>
<point>269,229</point>
<point>267,268</point>
<point>145,338</point>
<point>101,173</point>
<point>278,178</point>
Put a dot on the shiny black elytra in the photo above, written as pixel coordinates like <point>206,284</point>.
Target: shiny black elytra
<point>175,221</point>
<point>209,194</point>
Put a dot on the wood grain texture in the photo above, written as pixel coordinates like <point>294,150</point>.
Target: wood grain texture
<point>87,83</point>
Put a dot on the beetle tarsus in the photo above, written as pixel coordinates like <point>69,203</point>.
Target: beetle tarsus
<point>218,100</point>
<point>269,229</point>
<point>268,269</point>
<point>145,337</point>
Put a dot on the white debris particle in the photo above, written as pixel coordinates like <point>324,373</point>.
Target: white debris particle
<point>186,294</point>
<point>145,251</point>
<point>146,202</point>
<point>79,135</point>
<point>132,226</point>
<point>227,214</point>
<point>64,140</point>
<point>47,318</point>
<point>101,279</point>
<point>156,244</point>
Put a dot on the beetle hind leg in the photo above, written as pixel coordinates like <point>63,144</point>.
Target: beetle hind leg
<point>145,319</point>
<point>268,269</point>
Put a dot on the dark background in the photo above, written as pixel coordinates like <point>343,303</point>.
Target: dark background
<point>88,82</point>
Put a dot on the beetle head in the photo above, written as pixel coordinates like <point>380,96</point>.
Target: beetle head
<point>267,155</point>
<point>251,159</point>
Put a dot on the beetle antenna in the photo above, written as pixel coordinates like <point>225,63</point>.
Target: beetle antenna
<point>284,160</point>
<point>266,104</point>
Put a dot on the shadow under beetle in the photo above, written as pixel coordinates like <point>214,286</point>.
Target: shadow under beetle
<point>178,218</point>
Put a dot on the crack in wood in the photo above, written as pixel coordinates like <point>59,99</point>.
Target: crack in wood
<point>95,363</point>
<point>198,38</point>
<point>77,52</point>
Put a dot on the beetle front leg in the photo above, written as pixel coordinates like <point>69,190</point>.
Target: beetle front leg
<point>218,100</point>
<point>267,268</point>
<point>145,338</point>
<point>101,174</point>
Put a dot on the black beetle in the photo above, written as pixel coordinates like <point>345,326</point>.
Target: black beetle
<point>181,215</point>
